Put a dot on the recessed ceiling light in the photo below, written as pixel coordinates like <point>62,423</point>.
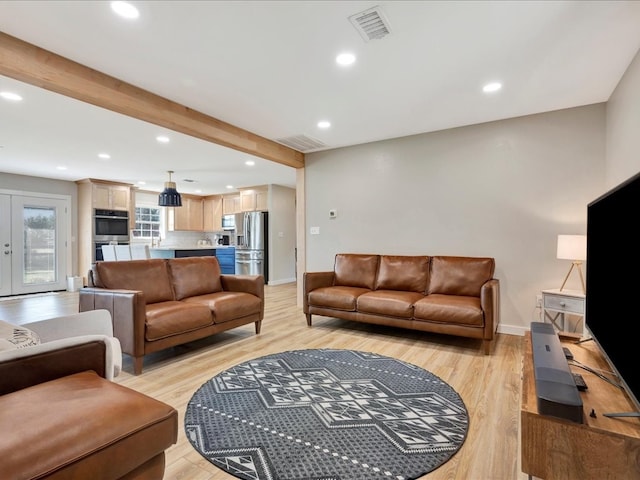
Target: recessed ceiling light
<point>229,187</point>
<point>162,139</point>
<point>61,167</point>
<point>198,191</point>
<point>125,10</point>
<point>345,59</point>
<point>324,124</point>
<point>492,87</point>
<point>104,156</point>
<point>251,163</point>
<point>141,182</point>
<point>14,97</point>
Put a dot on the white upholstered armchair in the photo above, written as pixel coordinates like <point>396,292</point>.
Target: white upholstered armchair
<point>44,338</point>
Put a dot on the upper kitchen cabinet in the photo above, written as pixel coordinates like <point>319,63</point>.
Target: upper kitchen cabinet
<point>231,204</point>
<point>212,213</point>
<point>106,195</point>
<point>189,216</point>
<point>254,199</point>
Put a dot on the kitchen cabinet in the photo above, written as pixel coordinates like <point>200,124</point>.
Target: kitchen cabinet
<point>111,197</point>
<point>231,204</point>
<point>189,216</point>
<point>195,252</point>
<point>254,200</point>
<point>227,260</point>
<point>212,213</point>
<point>168,252</point>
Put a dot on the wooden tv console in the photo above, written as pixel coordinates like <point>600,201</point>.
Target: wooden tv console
<point>600,448</point>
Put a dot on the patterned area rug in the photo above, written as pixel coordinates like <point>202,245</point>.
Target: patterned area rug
<point>326,415</point>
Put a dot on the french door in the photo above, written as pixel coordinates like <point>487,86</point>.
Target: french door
<point>34,243</point>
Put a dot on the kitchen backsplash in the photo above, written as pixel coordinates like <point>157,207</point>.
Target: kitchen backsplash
<point>190,239</point>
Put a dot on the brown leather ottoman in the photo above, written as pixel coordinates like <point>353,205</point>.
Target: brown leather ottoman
<point>82,426</point>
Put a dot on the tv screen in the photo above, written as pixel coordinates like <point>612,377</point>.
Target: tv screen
<point>613,280</point>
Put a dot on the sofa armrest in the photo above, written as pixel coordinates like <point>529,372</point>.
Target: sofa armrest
<point>253,284</point>
<point>490,304</point>
<point>128,314</point>
<point>28,366</point>
<point>313,280</point>
<point>94,322</point>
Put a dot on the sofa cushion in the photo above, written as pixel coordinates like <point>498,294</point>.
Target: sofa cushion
<point>148,276</point>
<point>227,306</point>
<point>463,310</point>
<point>388,302</point>
<point>356,270</point>
<point>405,273</point>
<point>165,319</point>
<point>192,276</point>
<point>460,275</point>
<point>340,298</point>
<point>82,426</point>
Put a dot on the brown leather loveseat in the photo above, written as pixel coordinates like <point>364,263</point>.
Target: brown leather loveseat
<point>440,294</point>
<point>159,303</point>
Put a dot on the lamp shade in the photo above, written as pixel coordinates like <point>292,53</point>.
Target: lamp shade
<point>169,197</point>
<point>572,247</point>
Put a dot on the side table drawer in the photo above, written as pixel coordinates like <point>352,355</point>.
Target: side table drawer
<point>564,304</point>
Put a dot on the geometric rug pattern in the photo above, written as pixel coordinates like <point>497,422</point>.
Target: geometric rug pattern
<point>326,414</point>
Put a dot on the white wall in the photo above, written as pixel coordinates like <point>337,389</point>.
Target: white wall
<point>503,189</point>
<point>623,127</point>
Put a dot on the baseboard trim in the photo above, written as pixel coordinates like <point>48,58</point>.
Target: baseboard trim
<point>281,281</point>
<point>512,329</point>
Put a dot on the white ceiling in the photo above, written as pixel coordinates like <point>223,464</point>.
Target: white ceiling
<point>268,67</point>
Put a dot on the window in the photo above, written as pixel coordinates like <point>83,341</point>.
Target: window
<point>147,223</point>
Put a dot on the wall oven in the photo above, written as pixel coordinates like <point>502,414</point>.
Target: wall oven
<point>111,226</point>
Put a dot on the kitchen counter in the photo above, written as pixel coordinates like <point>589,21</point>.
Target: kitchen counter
<point>207,247</point>
<point>225,254</point>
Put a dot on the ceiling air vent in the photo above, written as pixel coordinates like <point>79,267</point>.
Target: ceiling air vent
<point>371,24</point>
<point>301,143</point>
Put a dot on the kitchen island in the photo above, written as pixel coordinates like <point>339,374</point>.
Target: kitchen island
<point>224,253</point>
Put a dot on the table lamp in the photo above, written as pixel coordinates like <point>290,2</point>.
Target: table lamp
<point>574,248</point>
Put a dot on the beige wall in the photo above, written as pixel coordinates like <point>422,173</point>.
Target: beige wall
<point>282,234</point>
<point>623,127</point>
<point>504,189</point>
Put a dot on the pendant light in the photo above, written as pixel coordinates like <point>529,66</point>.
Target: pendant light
<point>170,196</point>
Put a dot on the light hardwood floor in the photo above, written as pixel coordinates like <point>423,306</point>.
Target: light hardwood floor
<point>490,385</point>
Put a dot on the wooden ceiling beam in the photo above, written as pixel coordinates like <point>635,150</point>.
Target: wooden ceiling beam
<point>36,66</point>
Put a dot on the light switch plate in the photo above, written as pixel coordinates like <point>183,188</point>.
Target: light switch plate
<point>314,230</point>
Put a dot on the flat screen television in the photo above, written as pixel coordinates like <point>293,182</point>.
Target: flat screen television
<point>613,280</point>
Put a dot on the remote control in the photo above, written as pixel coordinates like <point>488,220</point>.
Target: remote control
<point>580,383</point>
<point>567,353</point>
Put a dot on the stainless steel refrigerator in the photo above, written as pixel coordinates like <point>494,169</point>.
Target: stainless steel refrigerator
<point>252,233</point>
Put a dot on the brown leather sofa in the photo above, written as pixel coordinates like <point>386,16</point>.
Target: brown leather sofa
<point>440,294</point>
<point>62,420</point>
<point>160,303</point>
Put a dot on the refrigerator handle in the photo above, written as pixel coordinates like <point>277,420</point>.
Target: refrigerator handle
<point>247,233</point>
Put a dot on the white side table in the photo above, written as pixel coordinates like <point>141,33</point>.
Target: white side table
<point>556,304</point>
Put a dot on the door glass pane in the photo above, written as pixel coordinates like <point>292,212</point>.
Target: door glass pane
<point>39,245</point>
